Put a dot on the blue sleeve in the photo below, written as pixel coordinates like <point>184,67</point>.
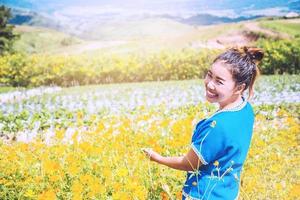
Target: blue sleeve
<point>208,142</point>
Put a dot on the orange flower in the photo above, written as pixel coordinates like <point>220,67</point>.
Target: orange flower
<point>164,196</point>
<point>47,195</point>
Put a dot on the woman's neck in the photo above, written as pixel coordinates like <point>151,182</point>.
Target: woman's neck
<point>235,102</point>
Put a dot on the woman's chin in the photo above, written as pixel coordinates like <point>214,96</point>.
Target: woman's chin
<point>211,100</point>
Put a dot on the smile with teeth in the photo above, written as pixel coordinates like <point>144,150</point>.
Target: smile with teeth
<point>210,94</point>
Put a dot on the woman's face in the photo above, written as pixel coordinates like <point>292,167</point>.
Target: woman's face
<point>219,85</point>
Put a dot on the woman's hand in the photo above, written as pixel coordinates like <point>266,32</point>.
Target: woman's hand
<point>152,155</point>
<point>189,162</point>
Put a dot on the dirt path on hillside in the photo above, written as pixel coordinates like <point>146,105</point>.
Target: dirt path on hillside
<point>232,39</point>
<point>254,26</point>
<point>243,37</point>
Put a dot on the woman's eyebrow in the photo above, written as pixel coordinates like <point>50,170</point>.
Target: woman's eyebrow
<point>217,76</point>
<point>220,78</point>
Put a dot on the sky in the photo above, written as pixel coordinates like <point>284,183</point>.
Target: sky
<point>229,8</point>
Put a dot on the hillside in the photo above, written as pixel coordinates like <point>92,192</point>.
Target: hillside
<point>153,35</point>
<point>42,40</point>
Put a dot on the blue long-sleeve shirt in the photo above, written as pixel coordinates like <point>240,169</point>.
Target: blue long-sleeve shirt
<point>221,142</point>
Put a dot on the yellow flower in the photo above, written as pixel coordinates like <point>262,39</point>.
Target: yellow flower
<point>51,166</point>
<point>117,186</point>
<point>77,190</point>
<point>106,172</point>
<point>85,179</point>
<point>295,191</point>
<point>179,195</point>
<point>54,178</point>
<point>216,163</point>
<point>213,123</point>
<point>60,134</point>
<point>29,193</point>
<point>100,127</point>
<point>76,197</point>
<point>122,172</point>
<point>79,115</point>
<point>47,195</point>
<point>120,196</point>
<point>86,147</point>
<point>73,169</point>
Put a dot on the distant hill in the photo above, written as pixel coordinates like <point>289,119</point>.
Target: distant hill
<point>76,26</point>
<point>153,34</point>
<point>32,18</point>
<point>110,26</point>
<point>79,17</point>
<point>42,40</point>
<point>207,19</point>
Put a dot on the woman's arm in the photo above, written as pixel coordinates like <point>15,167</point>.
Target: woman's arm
<point>189,162</point>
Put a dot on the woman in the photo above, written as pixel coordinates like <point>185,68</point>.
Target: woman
<point>220,142</point>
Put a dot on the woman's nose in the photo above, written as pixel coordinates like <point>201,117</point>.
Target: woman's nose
<point>210,84</point>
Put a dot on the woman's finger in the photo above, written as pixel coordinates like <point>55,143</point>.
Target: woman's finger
<point>147,151</point>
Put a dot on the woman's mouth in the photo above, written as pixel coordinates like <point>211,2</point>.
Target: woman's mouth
<point>210,94</point>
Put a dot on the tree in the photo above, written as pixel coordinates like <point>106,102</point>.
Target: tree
<point>6,30</point>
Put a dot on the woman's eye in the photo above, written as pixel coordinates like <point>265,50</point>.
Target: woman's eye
<point>220,82</point>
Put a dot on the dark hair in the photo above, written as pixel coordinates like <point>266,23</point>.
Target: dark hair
<point>243,63</point>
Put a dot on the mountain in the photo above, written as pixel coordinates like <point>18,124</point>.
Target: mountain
<point>85,18</point>
<point>207,19</point>
<point>100,26</point>
<point>173,7</point>
<point>28,17</point>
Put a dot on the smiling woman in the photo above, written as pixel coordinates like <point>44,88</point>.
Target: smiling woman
<point>231,74</point>
<point>220,143</point>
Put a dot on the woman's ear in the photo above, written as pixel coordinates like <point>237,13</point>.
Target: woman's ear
<point>240,88</point>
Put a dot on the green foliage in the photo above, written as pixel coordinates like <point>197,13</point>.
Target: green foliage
<point>281,56</point>
<point>6,31</point>
<point>281,26</point>
<point>42,40</point>
<point>4,89</point>
<point>36,70</point>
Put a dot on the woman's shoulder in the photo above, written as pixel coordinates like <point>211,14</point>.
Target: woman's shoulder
<point>232,118</point>
<point>243,118</point>
<point>245,111</point>
<point>223,119</point>
<point>206,124</point>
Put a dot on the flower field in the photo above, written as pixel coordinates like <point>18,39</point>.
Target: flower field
<point>85,142</point>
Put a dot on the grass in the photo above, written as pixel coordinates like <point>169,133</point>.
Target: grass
<point>291,27</point>
<point>5,89</point>
<point>42,40</point>
<point>150,35</point>
<point>145,36</point>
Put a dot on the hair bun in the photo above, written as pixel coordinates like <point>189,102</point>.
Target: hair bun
<point>255,54</point>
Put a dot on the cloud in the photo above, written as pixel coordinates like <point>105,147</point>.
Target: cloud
<point>90,10</point>
<point>276,11</point>
<point>221,13</point>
